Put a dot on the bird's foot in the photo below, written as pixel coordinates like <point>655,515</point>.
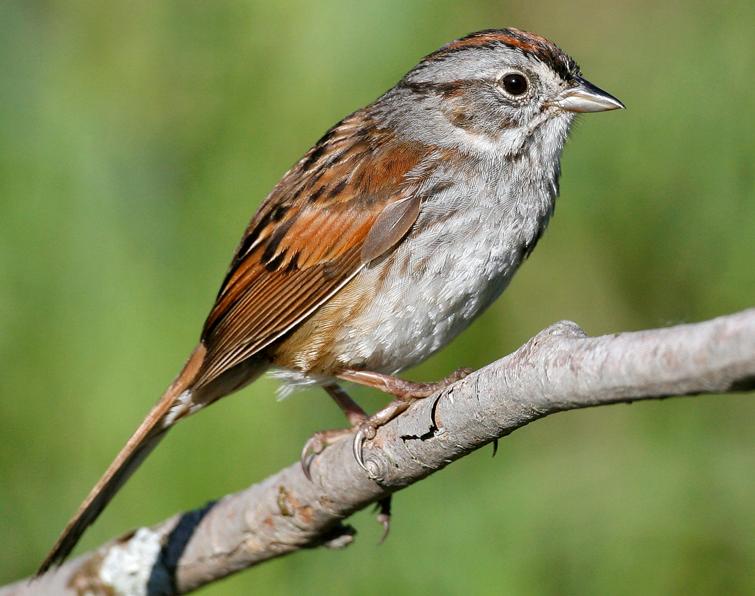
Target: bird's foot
<point>363,427</point>
<point>368,428</point>
<point>405,392</point>
<point>317,443</point>
<point>320,440</point>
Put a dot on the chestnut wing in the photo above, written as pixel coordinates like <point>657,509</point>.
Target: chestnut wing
<point>345,203</point>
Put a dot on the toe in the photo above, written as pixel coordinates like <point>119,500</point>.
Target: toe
<point>311,448</point>
<point>357,446</point>
<point>384,516</point>
<point>460,373</point>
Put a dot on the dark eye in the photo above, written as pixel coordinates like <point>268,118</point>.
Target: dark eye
<point>514,83</point>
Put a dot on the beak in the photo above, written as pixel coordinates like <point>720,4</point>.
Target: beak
<point>586,97</point>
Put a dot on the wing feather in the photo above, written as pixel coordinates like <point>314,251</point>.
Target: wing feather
<point>308,238</point>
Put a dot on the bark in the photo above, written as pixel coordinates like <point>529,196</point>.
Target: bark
<point>559,369</point>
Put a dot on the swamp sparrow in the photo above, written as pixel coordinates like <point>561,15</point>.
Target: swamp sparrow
<point>400,226</point>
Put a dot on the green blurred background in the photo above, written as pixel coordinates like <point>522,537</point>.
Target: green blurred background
<point>137,138</point>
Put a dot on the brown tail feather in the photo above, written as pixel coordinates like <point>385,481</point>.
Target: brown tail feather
<point>138,447</point>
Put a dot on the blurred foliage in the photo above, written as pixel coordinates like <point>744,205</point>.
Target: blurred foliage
<point>137,138</point>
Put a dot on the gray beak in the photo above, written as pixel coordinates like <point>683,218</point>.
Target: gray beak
<point>586,97</point>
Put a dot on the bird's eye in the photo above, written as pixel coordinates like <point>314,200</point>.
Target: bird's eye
<point>514,83</point>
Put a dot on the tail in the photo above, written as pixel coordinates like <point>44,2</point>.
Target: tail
<point>138,447</point>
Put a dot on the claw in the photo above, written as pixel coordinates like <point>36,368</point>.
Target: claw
<point>385,520</point>
<point>357,447</point>
<point>366,431</point>
<point>384,517</point>
<point>316,444</point>
<point>308,453</point>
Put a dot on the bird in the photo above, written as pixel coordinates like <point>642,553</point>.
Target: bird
<point>403,223</point>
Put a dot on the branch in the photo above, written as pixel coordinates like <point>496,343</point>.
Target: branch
<point>559,369</point>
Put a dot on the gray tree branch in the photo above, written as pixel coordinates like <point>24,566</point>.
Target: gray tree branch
<point>559,369</point>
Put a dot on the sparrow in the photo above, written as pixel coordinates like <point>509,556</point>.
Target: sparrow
<point>384,241</point>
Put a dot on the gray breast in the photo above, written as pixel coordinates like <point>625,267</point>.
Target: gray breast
<point>460,255</point>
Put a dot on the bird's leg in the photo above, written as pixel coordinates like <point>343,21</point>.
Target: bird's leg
<point>405,393</point>
<point>400,388</point>
<point>351,409</point>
